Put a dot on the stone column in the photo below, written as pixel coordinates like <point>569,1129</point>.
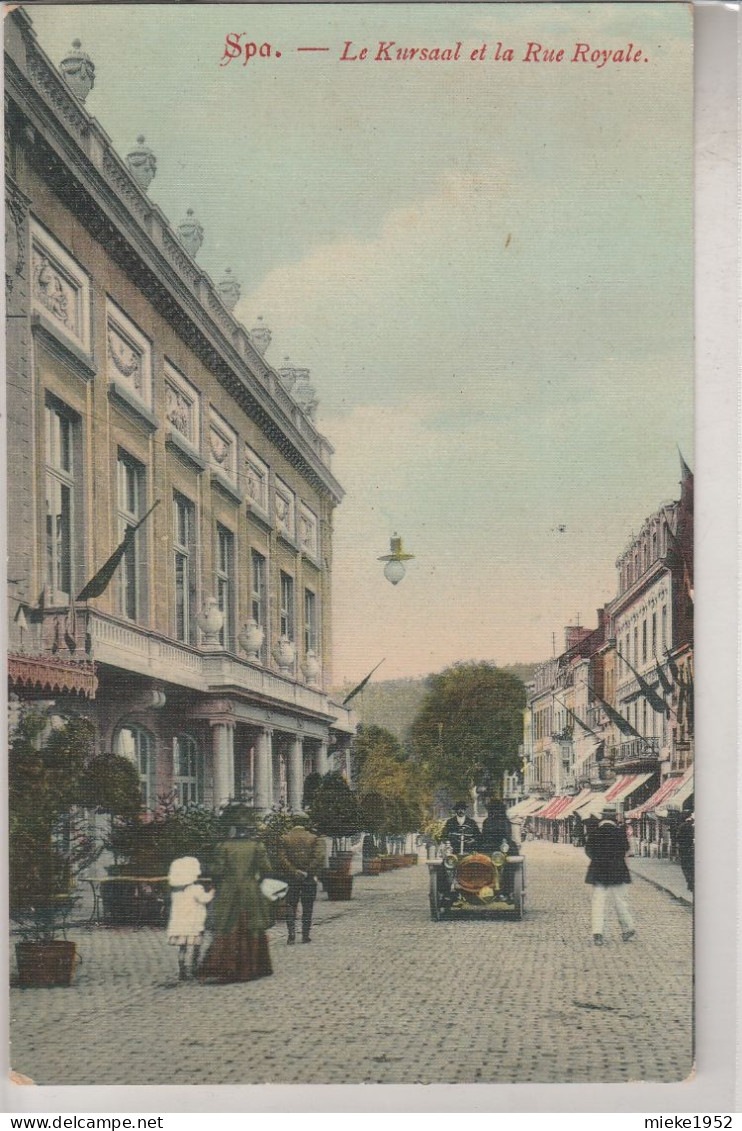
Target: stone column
<point>263,797</point>
<point>296,773</point>
<point>222,737</point>
<point>276,775</point>
<point>323,762</point>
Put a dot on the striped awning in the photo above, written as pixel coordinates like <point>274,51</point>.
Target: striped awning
<point>622,788</point>
<point>553,808</point>
<point>525,807</point>
<point>575,803</point>
<point>667,791</point>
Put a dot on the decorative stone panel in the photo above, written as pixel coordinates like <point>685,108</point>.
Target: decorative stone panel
<point>182,406</point>
<point>308,543</point>
<point>284,508</point>
<point>222,447</point>
<point>128,355</point>
<point>60,289</point>
<point>256,481</point>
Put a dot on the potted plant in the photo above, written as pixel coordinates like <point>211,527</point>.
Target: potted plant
<point>53,779</point>
<point>144,845</point>
<point>335,813</point>
<point>373,813</point>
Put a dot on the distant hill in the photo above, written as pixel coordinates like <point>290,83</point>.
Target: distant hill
<point>393,703</point>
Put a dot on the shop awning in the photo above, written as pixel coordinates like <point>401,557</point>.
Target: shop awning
<point>525,807</point>
<point>667,791</point>
<point>676,800</point>
<point>553,809</point>
<point>622,788</point>
<point>575,803</point>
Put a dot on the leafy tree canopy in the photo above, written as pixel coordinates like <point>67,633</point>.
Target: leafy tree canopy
<point>469,726</point>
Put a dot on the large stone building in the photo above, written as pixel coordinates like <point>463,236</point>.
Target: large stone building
<point>131,385</point>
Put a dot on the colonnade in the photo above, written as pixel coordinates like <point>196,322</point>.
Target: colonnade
<point>266,766</point>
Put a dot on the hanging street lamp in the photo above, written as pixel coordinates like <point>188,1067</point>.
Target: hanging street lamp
<point>394,569</point>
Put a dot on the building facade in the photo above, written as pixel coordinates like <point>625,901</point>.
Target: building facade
<point>614,711</point>
<point>143,418</point>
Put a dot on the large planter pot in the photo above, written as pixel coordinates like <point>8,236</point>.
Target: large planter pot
<point>339,888</point>
<point>372,866</point>
<point>46,963</point>
<point>341,863</point>
<point>386,863</point>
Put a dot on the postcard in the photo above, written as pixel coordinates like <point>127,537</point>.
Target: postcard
<point>350,543</point>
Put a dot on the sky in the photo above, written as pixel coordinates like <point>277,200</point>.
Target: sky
<point>486,265</point>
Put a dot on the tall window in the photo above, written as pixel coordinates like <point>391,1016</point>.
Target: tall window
<point>310,621</point>
<point>185,568</point>
<point>654,634</point>
<point>258,595</point>
<point>636,645</point>
<point>664,626</point>
<point>286,613</point>
<point>59,487</point>
<point>188,775</point>
<point>135,743</point>
<point>131,497</point>
<point>225,583</point>
<point>644,641</point>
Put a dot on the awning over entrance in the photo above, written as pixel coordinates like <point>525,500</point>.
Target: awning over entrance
<point>622,788</point>
<point>575,803</point>
<point>552,809</point>
<point>525,807</point>
<point>667,792</point>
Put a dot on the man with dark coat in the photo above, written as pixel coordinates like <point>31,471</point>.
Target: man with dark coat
<point>461,832</point>
<point>496,829</point>
<point>686,848</point>
<point>301,857</point>
<point>607,847</point>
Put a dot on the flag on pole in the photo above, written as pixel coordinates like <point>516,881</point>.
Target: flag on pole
<point>361,685</point>
<point>617,718</point>
<point>674,669</point>
<point>577,719</point>
<point>100,581</point>
<point>666,684</point>
<point>655,701</point>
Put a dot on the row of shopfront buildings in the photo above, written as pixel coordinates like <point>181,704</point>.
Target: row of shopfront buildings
<point>147,430</point>
<point>610,719</point>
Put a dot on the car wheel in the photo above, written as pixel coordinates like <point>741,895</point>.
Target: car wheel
<point>435,907</point>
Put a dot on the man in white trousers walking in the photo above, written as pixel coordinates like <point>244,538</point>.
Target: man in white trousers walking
<point>607,846</point>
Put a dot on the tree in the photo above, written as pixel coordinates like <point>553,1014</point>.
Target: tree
<point>469,726</point>
<point>53,774</point>
<point>334,810</point>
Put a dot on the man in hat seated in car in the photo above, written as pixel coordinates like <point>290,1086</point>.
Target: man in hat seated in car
<point>461,832</point>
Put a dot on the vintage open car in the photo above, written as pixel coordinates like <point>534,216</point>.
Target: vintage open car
<point>478,883</point>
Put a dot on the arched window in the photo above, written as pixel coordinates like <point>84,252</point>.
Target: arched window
<point>135,743</point>
<point>188,770</point>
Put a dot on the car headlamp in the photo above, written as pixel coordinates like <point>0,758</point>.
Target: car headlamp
<point>450,862</point>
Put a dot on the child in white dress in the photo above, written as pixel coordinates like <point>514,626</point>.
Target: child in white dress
<point>187,911</point>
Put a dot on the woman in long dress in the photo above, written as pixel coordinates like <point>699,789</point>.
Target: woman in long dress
<point>239,951</point>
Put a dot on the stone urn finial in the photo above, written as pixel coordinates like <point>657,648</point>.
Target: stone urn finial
<point>305,393</point>
<point>78,70</point>
<point>191,233</point>
<point>142,163</point>
<point>287,374</point>
<point>229,290</point>
<point>260,336</point>
<point>211,622</point>
<point>311,668</point>
<point>251,640</point>
<point>285,655</point>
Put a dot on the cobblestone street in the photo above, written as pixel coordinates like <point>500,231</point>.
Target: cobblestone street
<point>383,995</point>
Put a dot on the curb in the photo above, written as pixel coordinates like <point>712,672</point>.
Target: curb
<point>661,887</point>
